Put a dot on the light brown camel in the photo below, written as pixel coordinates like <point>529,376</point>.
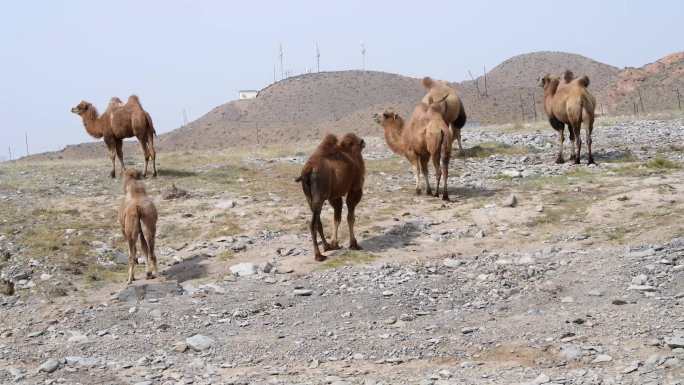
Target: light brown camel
<point>570,103</point>
<point>335,170</point>
<point>451,108</point>
<point>138,219</point>
<point>120,121</point>
<point>425,137</point>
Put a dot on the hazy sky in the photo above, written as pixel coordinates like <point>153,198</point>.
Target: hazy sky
<point>195,55</point>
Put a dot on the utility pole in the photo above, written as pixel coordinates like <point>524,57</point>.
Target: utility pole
<point>522,108</point>
<point>318,58</point>
<point>363,56</point>
<point>484,68</point>
<point>274,73</point>
<point>9,149</point>
<point>26,139</point>
<point>679,100</point>
<point>641,101</point>
<point>477,86</point>
<point>185,117</point>
<point>282,69</point>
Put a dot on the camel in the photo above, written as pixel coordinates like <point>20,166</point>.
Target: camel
<point>425,137</point>
<point>138,219</point>
<point>452,109</point>
<point>335,170</point>
<point>569,103</point>
<point>120,121</point>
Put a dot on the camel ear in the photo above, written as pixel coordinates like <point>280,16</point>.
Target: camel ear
<point>363,144</point>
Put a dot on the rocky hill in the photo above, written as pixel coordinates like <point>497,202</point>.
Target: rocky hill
<point>305,106</point>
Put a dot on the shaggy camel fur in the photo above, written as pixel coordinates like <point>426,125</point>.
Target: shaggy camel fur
<point>120,121</point>
<point>570,103</point>
<point>452,109</point>
<point>138,219</point>
<point>425,137</point>
<point>335,170</point>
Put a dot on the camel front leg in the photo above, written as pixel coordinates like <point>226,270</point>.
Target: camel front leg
<point>416,171</point>
<point>353,199</point>
<point>337,218</point>
<point>315,221</point>
<point>424,171</point>
<point>119,153</point>
<point>438,174</point>
<point>112,156</point>
<point>578,142</point>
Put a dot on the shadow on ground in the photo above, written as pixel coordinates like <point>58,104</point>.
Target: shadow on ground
<point>191,268</point>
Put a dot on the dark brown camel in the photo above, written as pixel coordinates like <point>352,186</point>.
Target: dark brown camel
<point>335,170</point>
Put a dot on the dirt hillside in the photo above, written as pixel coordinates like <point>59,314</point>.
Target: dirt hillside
<point>305,106</point>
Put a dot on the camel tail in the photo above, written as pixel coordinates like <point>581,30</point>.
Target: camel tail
<point>150,124</point>
<point>461,119</point>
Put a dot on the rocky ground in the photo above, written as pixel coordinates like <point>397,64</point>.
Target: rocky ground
<point>536,273</point>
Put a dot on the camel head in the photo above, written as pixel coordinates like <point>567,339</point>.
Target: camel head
<point>82,107</point>
<point>132,173</point>
<point>351,143</point>
<point>387,118</point>
<point>543,80</point>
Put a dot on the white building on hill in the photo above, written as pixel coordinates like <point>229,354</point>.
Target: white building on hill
<point>248,94</point>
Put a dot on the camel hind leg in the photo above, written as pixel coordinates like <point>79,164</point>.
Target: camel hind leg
<point>445,158</point>
<point>337,218</point>
<point>353,199</point>
<point>119,154</point>
<point>578,141</point>
<point>147,236</point>
<point>588,131</point>
<point>132,255</point>
<point>146,153</point>
<point>153,153</point>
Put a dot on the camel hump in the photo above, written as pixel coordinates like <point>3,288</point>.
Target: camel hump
<point>328,145</point>
<point>134,99</point>
<point>583,81</point>
<point>428,82</point>
<point>568,76</point>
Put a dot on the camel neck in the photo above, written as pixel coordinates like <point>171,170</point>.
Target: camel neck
<point>92,124</point>
<point>394,140</point>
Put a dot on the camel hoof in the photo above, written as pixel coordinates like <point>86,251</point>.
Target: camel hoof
<point>445,198</point>
<point>154,175</point>
<point>150,275</point>
<point>320,258</point>
<point>591,161</point>
<point>112,174</point>
<point>576,161</point>
<point>333,246</point>
<point>355,246</point>
<point>418,192</point>
<point>429,192</point>
<point>560,160</point>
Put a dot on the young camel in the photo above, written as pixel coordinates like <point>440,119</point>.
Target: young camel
<point>572,104</point>
<point>336,169</point>
<point>451,108</point>
<point>426,137</point>
<point>138,219</point>
<point>120,121</point>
